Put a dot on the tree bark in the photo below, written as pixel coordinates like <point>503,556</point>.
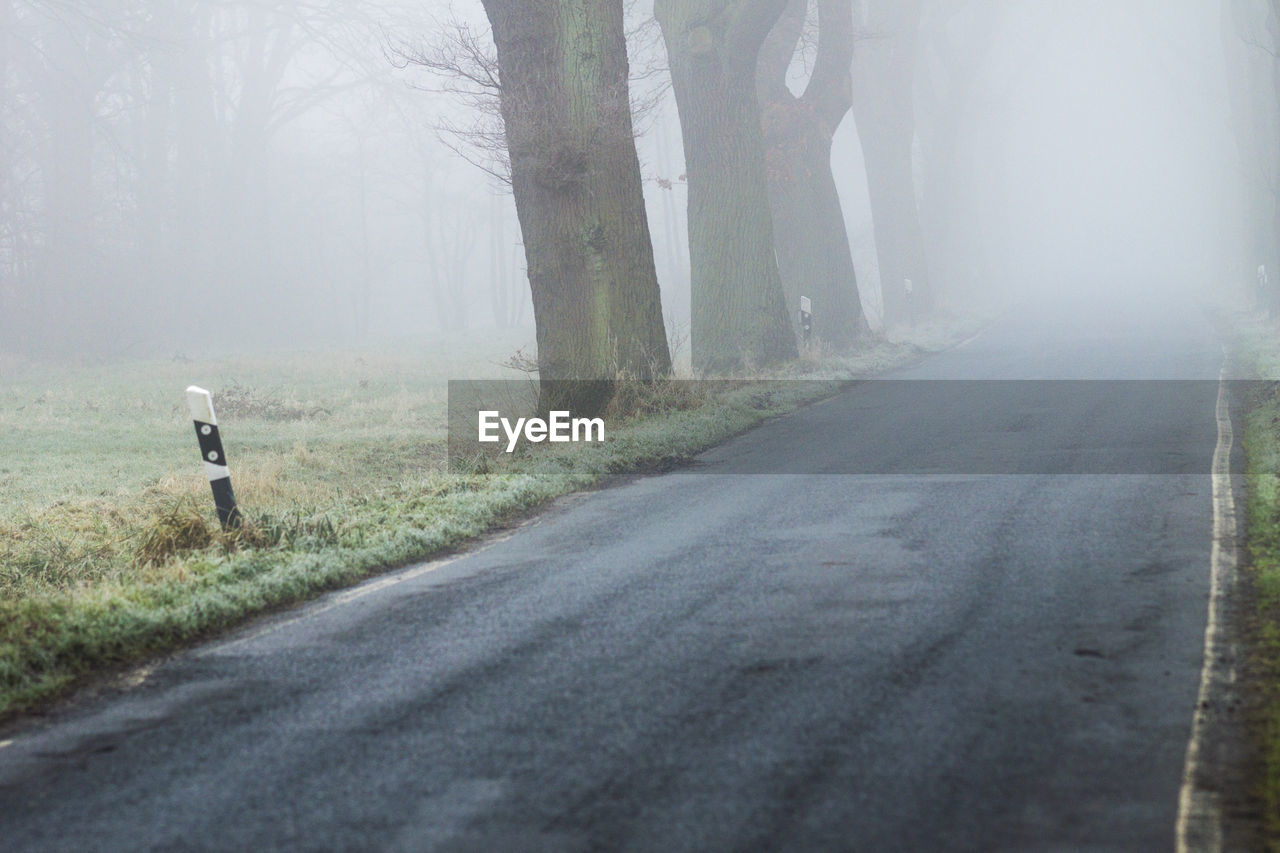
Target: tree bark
<point>883,107</point>
<point>739,315</point>
<point>576,179</point>
<point>814,258</point>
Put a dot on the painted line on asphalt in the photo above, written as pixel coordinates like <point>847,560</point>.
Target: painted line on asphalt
<point>1199,824</point>
<point>358,592</point>
<point>337,600</point>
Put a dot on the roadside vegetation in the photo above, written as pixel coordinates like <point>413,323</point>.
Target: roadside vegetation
<point>109,547</point>
<point>1258,356</point>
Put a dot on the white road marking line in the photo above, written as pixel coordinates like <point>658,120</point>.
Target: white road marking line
<point>366,588</point>
<point>338,600</point>
<point>4,743</point>
<point>1199,824</point>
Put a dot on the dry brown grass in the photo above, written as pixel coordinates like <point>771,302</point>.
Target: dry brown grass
<point>174,529</point>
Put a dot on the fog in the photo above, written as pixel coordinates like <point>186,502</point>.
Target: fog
<point>1111,161</point>
<point>182,177</point>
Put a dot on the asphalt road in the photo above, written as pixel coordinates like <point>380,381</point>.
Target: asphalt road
<point>931,657</point>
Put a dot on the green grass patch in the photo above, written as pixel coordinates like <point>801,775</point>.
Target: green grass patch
<point>109,549</point>
<point>1257,355</point>
<point>1262,450</point>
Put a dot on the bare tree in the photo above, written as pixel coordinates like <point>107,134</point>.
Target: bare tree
<point>464,66</point>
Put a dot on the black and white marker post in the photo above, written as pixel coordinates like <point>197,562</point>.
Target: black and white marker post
<point>806,318</point>
<point>215,461</point>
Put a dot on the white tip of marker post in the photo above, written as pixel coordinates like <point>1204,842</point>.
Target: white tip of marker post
<point>201,404</point>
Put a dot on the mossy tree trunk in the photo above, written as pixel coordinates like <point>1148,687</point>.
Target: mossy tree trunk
<point>576,180</point>
<point>883,107</point>
<point>809,232</point>
<point>739,314</point>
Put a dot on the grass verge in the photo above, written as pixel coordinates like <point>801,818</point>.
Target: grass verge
<point>338,461</point>
<point>1257,355</point>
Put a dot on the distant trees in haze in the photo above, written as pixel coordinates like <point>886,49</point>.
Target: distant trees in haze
<point>189,174</point>
<point>884,109</point>
<point>811,238</point>
<point>65,68</point>
<point>507,282</point>
<point>956,37</point>
<point>1251,36</point>
<point>163,162</point>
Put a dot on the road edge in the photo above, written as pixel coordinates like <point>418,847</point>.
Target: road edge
<point>1200,810</point>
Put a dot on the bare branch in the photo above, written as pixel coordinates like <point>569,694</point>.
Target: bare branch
<point>465,64</point>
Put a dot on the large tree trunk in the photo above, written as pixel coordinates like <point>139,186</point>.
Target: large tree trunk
<point>883,75</point>
<point>814,258</point>
<point>579,198</point>
<point>739,312</point>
